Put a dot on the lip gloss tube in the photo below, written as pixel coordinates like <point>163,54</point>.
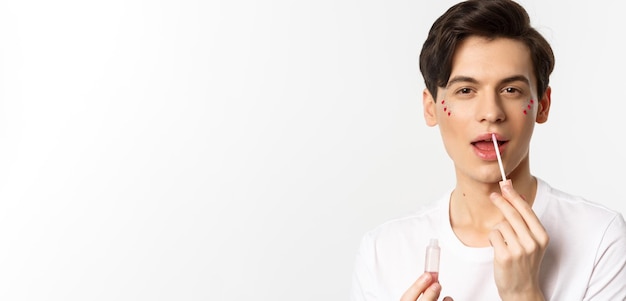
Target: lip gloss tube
<point>432,259</point>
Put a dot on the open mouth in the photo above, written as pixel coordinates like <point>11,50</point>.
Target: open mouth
<point>487,144</point>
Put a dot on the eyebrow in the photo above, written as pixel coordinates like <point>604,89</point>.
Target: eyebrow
<point>467,79</point>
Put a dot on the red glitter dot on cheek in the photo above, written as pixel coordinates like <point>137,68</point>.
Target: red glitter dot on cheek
<point>529,106</point>
<point>445,108</point>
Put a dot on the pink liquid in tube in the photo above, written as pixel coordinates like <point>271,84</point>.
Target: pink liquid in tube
<point>432,259</point>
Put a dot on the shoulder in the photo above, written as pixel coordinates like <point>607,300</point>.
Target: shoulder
<point>556,200</point>
<point>562,210</point>
<point>424,219</point>
<point>388,254</point>
<point>587,241</point>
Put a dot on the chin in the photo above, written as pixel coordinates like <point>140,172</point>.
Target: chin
<point>488,178</point>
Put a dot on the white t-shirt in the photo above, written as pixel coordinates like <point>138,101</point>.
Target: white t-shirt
<point>585,259</point>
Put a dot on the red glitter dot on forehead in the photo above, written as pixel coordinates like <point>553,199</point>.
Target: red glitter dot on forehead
<point>524,112</point>
<point>532,101</point>
<point>443,101</point>
<point>448,113</point>
<point>529,106</point>
<point>445,109</point>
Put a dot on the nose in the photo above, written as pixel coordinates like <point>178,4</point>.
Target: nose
<point>489,109</point>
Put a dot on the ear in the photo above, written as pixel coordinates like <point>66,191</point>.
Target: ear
<point>430,108</point>
<point>544,106</point>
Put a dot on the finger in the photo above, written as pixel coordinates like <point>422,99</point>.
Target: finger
<point>514,218</point>
<point>496,240</point>
<point>417,288</point>
<point>448,299</point>
<point>508,234</point>
<point>519,202</point>
<point>526,212</point>
<point>431,293</point>
<point>516,199</point>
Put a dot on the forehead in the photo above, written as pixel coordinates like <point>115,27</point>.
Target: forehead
<point>492,59</point>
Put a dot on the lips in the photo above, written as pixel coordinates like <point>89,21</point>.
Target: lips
<point>484,148</point>
<point>485,145</point>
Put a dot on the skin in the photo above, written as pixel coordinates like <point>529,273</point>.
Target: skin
<point>490,85</point>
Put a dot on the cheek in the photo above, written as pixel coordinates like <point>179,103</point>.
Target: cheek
<point>528,106</point>
<point>455,109</point>
<point>446,108</point>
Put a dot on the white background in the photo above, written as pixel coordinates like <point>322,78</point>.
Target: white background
<point>238,150</point>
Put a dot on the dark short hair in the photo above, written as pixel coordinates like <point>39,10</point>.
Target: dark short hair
<point>490,19</point>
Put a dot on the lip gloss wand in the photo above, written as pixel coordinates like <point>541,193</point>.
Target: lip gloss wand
<point>497,149</point>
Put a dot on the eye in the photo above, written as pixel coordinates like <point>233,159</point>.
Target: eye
<point>464,90</point>
<point>511,90</point>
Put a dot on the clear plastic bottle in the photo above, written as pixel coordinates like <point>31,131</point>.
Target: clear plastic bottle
<point>432,259</point>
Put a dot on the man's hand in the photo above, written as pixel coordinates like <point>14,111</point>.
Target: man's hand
<point>519,243</point>
<point>425,289</point>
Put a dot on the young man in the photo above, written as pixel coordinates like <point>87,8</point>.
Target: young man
<point>487,72</point>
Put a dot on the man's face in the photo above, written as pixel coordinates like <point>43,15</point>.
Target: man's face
<point>491,89</point>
